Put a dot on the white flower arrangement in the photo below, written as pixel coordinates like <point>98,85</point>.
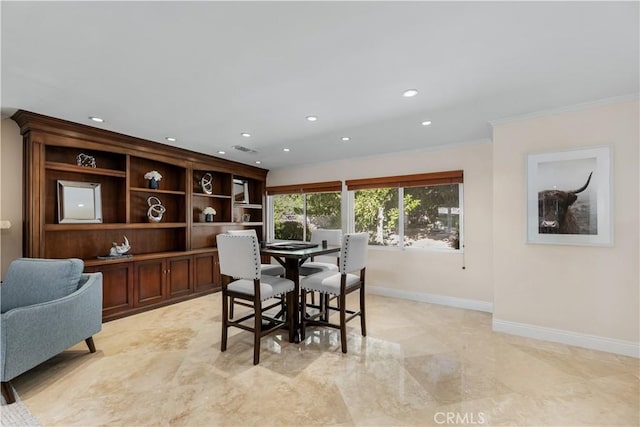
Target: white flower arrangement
<point>209,211</point>
<point>153,175</point>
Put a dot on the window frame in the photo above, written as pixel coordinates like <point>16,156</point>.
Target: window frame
<point>347,202</point>
<point>407,181</point>
<point>304,189</point>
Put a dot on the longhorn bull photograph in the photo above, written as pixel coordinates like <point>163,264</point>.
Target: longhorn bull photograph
<point>555,212</point>
<point>569,197</point>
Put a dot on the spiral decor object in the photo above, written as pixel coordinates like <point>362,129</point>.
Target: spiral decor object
<point>207,183</point>
<point>86,160</point>
<point>156,210</point>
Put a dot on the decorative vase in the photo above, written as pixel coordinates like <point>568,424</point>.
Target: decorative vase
<point>208,217</point>
<point>154,184</point>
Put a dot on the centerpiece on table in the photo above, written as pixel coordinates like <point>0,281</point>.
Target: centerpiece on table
<point>154,178</point>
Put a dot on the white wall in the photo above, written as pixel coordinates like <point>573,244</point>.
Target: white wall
<point>579,294</point>
<point>10,192</point>
<point>426,274</point>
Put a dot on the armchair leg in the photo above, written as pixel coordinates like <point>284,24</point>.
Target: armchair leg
<point>90,344</point>
<point>7,392</point>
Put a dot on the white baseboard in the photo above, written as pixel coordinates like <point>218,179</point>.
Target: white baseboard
<point>594,342</point>
<point>468,304</point>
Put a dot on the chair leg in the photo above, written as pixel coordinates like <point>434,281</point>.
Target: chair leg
<point>363,322</point>
<point>303,316</point>
<point>225,314</point>
<point>324,306</point>
<point>343,321</point>
<point>7,392</point>
<point>231,302</point>
<point>289,298</point>
<point>90,344</point>
<point>257,332</point>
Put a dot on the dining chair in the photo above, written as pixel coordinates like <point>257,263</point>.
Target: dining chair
<point>334,238</point>
<point>349,278</point>
<point>268,269</point>
<point>239,257</point>
<point>265,269</point>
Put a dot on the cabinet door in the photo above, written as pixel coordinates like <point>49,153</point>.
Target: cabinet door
<point>117,287</point>
<point>207,272</point>
<point>150,279</point>
<point>179,274</point>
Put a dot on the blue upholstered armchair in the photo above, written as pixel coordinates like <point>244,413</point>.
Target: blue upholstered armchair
<point>47,306</point>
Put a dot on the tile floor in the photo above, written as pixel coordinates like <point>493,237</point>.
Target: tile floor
<point>420,365</point>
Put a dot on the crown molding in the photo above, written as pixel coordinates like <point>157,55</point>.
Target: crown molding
<point>566,109</point>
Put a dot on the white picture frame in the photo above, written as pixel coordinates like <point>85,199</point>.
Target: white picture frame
<point>79,202</point>
<point>584,218</point>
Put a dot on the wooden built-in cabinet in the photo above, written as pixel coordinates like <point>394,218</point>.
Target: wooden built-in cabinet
<point>173,259</point>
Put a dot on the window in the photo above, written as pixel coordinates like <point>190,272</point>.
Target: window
<point>376,211</point>
<point>288,217</point>
<point>432,216</point>
<point>297,210</point>
<point>431,207</point>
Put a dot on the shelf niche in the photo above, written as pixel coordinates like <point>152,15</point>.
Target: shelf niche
<point>181,238</point>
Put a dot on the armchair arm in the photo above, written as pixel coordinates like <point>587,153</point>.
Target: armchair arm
<point>32,334</point>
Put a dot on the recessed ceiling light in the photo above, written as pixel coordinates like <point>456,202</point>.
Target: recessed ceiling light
<point>312,118</point>
<point>409,93</point>
<point>258,162</point>
<point>96,119</point>
<point>221,152</point>
<point>345,138</point>
<point>426,123</point>
<point>246,134</point>
<point>286,150</point>
<point>170,138</point>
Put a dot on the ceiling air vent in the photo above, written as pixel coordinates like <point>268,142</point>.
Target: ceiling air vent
<point>244,149</point>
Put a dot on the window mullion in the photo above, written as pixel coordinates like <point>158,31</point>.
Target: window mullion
<point>401,217</point>
<point>304,217</point>
<point>270,222</point>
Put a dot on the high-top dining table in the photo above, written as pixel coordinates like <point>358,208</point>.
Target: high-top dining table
<point>291,259</point>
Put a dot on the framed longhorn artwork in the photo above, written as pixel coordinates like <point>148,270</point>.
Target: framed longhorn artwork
<point>569,197</point>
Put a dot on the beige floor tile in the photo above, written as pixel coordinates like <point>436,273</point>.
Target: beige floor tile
<point>418,365</point>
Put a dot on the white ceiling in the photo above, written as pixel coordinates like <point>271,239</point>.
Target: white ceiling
<point>204,72</point>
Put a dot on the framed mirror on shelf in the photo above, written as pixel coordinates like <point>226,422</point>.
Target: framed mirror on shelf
<point>79,202</point>
<point>240,191</point>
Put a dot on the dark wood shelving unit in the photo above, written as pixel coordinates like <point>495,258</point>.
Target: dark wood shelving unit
<point>172,260</point>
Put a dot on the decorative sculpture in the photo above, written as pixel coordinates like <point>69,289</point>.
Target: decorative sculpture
<point>207,183</point>
<point>86,160</point>
<point>156,210</point>
<point>120,250</point>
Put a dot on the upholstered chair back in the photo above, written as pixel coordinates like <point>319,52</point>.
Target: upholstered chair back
<point>332,236</point>
<point>353,256</point>
<point>250,232</point>
<point>33,280</point>
<point>239,256</point>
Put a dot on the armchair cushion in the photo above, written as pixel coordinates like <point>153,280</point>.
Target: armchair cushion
<point>32,281</point>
